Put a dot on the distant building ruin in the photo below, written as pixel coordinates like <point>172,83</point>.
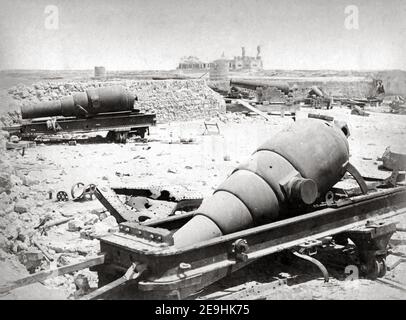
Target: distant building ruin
<point>193,64</point>
<point>248,63</point>
<point>238,63</point>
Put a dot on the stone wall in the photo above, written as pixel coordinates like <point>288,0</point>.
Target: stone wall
<point>171,100</point>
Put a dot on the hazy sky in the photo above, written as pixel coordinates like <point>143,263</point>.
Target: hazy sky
<point>155,34</point>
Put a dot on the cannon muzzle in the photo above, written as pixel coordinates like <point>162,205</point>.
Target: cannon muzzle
<point>295,167</point>
<point>83,104</point>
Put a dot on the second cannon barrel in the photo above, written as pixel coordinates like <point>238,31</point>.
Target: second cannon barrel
<point>82,104</point>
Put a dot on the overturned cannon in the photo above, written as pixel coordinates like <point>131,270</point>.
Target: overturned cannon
<point>83,104</point>
<point>294,168</point>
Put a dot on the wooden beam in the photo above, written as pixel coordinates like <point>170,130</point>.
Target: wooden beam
<point>46,274</point>
<point>110,286</point>
<point>253,109</point>
<point>392,283</point>
<point>132,273</point>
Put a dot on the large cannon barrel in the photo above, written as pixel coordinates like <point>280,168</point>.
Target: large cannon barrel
<point>88,103</point>
<point>254,84</point>
<point>295,167</point>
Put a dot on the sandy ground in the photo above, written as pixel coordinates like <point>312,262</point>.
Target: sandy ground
<point>198,166</point>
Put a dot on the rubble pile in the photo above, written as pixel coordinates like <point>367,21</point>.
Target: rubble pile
<point>35,233</point>
<point>169,99</point>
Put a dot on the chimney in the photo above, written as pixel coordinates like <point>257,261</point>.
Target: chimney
<point>258,51</point>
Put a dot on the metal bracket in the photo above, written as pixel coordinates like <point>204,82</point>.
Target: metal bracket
<point>156,235</point>
<point>239,249</point>
<point>393,179</point>
<point>316,262</point>
<point>357,176</point>
<point>372,242</point>
<point>329,197</point>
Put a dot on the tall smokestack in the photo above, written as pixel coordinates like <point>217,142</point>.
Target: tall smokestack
<point>258,51</point>
<point>243,52</point>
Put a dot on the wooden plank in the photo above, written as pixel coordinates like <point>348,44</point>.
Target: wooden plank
<point>392,283</point>
<point>254,292</point>
<point>43,250</point>
<point>55,223</point>
<point>110,286</point>
<point>20,145</point>
<point>46,274</point>
<point>253,109</point>
<point>132,273</point>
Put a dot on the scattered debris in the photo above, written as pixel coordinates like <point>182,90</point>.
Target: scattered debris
<point>253,109</point>
<point>44,227</point>
<point>79,192</point>
<point>42,249</point>
<point>82,286</point>
<point>208,125</point>
<point>62,196</point>
<point>20,207</point>
<point>359,112</point>
<point>393,161</point>
<point>31,259</point>
<point>320,116</point>
<point>119,174</point>
<point>398,105</point>
<point>19,145</point>
<point>75,225</point>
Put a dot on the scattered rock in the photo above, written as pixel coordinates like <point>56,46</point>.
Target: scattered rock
<point>110,221</point>
<point>4,243</point>
<point>14,139</point>
<point>137,203</point>
<point>359,112</point>
<point>68,258</point>
<point>31,259</point>
<point>21,246</point>
<point>25,235</point>
<point>82,285</point>
<point>20,207</point>
<point>100,229</point>
<point>91,219</point>
<point>75,225</point>
<point>15,180</point>
<point>101,213</point>
<point>28,181</point>
<point>5,183</point>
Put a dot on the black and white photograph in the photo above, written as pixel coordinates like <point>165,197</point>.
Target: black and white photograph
<point>206,152</point>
